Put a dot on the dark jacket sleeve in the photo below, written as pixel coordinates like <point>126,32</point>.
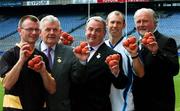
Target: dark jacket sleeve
<point>168,55</point>
<point>79,72</point>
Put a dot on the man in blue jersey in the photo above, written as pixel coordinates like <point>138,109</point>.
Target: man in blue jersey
<point>122,99</point>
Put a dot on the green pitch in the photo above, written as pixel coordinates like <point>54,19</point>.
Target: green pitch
<point>1,96</point>
<point>177,90</point>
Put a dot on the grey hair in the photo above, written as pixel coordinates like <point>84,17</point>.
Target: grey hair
<point>49,18</point>
<point>115,13</point>
<point>99,19</point>
<point>147,10</point>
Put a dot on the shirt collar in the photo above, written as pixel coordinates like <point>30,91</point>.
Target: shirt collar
<point>44,47</point>
<point>96,47</point>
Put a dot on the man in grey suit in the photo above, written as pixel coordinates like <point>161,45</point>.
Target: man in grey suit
<point>62,59</point>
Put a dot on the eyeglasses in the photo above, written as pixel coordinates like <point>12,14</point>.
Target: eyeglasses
<point>31,29</point>
<point>52,29</point>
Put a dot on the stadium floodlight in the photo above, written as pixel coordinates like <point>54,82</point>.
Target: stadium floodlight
<point>89,9</point>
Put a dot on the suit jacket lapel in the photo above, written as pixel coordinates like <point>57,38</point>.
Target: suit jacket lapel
<point>58,53</point>
<point>98,54</point>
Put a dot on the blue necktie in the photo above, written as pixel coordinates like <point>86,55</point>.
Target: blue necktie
<point>49,56</point>
<point>91,49</point>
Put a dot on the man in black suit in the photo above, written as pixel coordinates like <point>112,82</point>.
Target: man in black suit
<point>155,91</point>
<point>63,62</point>
<point>91,87</point>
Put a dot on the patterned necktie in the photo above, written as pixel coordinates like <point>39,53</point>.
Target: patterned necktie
<point>49,56</point>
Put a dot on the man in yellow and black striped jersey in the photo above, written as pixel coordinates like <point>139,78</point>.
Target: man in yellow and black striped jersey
<point>26,89</point>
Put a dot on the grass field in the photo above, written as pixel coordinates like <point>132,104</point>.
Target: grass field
<point>1,96</point>
<point>177,90</point>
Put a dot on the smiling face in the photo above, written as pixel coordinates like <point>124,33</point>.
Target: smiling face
<point>95,32</point>
<point>144,22</point>
<point>29,31</point>
<point>50,33</point>
<point>115,24</point>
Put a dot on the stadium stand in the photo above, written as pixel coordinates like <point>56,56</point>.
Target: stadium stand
<point>8,26</point>
<point>73,22</point>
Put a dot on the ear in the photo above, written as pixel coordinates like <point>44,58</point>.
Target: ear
<point>40,31</point>
<point>19,29</point>
<point>124,24</point>
<point>40,35</point>
<point>60,32</point>
<point>106,23</point>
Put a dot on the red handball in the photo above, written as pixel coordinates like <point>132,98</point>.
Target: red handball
<point>147,34</point>
<point>132,46</point>
<point>83,44</point>
<point>66,38</point>
<point>37,67</point>
<point>150,40</point>
<point>31,63</point>
<point>116,57</point>
<point>29,51</point>
<point>112,60</point>
<point>37,59</point>
<point>147,38</point>
<point>126,43</point>
<point>65,35</point>
<point>34,63</point>
<point>108,59</point>
<point>144,41</point>
<point>132,39</point>
<point>84,50</point>
<point>70,38</point>
<point>78,49</point>
<point>113,63</point>
<point>130,42</point>
<point>65,42</point>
